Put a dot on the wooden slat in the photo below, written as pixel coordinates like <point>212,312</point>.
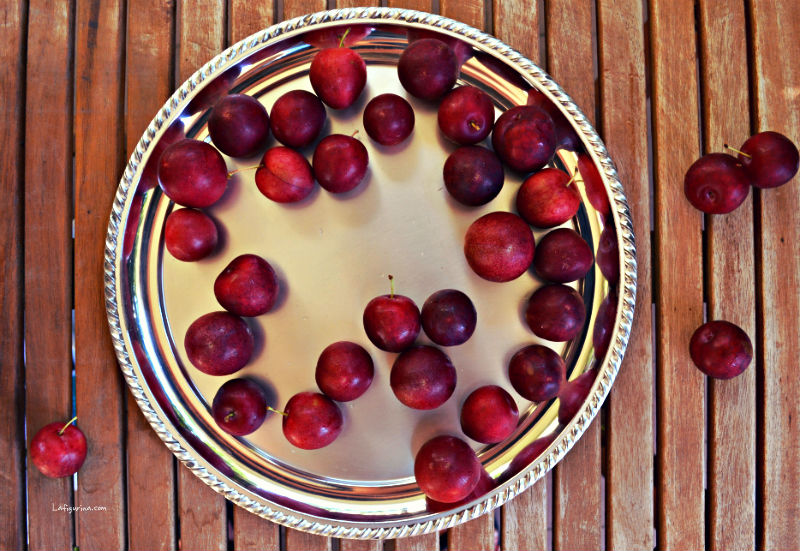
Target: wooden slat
<point>303,541</point>
<point>422,5</point>
<point>679,292</point>
<point>732,404</point>
<point>247,17</point>
<point>48,255</point>
<point>356,3</point>
<point>150,465</point>
<point>12,433</point>
<point>360,545</point>
<point>577,522</point>
<point>296,8</point>
<point>428,542</point>
<point>98,164</point>
<point>201,511</point>
<point>517,24</point>
<point>775,27</point>
<point>629,452</point>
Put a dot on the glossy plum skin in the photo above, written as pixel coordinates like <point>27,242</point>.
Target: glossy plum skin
<point>297,118</point>
<point>716,183</point>
<point>593,184</point>
<point>239,407</point>
<point>284,175</point>
<point>449,317</point>
<point>721,349</point>
<point>604,326</point>
<point>428,69</point>
<point>58,455</point>
<point>562,256</point>
<point>489,414</point>
<point>423,377</point>
<point>344,371</point>
<point>537,373</point>
<point>573,394</point>
<point>392,322</point>
<point>446,469</point>
<point>338,76</point>
<point>239,125</point>
<point>556,313</point>
<point>388,119</point>
<point>527,455</point>
<point>499,246</point>
<point>770,159</point>
<point>485,485</point>
<point>247,286</point>
<point>473,175</point>
<point>219,343</point>
<point>524,137</point>
<point>312,420</point>
<point>190,235</point>
<point>192,173</point>
<point>466,115</point>
<point>545,199</point>
<point>608,254</point>
<point>340,163</point>
<point>566,136</point>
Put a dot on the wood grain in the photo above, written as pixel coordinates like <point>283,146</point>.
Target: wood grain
<point>629,453</point>
<point>356,3</point>
<point>296,8</point>
<point>428,542</point>
<point>517,24</point>
<point>12,384</point>
<point>48,255</point>
<point>774,28</point>
<point>679,292</point>
<point>577,522</point>
<point>731,276</point>
<point>247,17</point>
<point>421,5</point>
<point>99,43</point>
<point>303,541</point>
<point>150,465</point>
<point>360,545</point>
<point>201,36</point>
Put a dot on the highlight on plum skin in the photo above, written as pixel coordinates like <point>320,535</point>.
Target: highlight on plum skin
<point>239,125</point>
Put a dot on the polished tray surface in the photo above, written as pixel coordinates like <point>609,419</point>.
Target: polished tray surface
<point>332,255</point>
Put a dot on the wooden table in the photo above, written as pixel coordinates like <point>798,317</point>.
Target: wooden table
<point>674,460</point>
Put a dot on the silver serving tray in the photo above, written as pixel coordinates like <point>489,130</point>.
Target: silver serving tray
<point>333,254</point>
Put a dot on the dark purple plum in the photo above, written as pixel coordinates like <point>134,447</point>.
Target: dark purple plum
<point>721,349</point>
<point>428,69</point>
<point>344,371</point>
<point>449,317</point>
<point>219,343</point>
<point>447,469</point>
<point>770,159</point>
<point>297,118</point>
<point>608,254</point>
<point>461,49</point>
<point>338,76</point>
<point>192,173</point>
<point>284,175</point>
<point>566,136</point>
<point>555,312</point>
<point>247,286</point>
<point>311,420</point>
<point>340,163</point>
<point>466,115</point>
<point>190,235</point>
<point>392,322</point>
<point>604,325</point>
<point>562,256</point>
<point>388,119</point>
<point>489,414</point>
<point>524,137</point>
<point>58,449</point>
<point>473,175</point>
<point>423,377</point>
<point>485,485</point>
<point>239,407</point>
<point>239,125</point>
<point>716,183</point>
<point>499,246</point>
<point>574,394</point>
<point>548,198</point>
<point>537,372</point>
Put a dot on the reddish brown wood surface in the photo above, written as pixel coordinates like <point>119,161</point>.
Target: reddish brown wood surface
<point>731,277</point>
<point>48,255</point>
<point>360,545</point>
<point>629,451</point>
<point>150,465</point>
<point>678,292</point>
<point>99,51</point>
<point>777,105</point>
<point>296,8</point>
<point>12,433</point>
<point>428,542</point>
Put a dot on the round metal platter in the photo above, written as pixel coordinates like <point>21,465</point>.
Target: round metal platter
<point>332,255</point>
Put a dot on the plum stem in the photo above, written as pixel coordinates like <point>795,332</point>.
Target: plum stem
<point>68,424</point>
<point>391,286</point>
<point>474,125</point>
<point>272,409</point>
<point>230,416</point>
<point>742,153</point>
<point>341,40</point>
<point>232,172</point>
<point>574,176</point>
